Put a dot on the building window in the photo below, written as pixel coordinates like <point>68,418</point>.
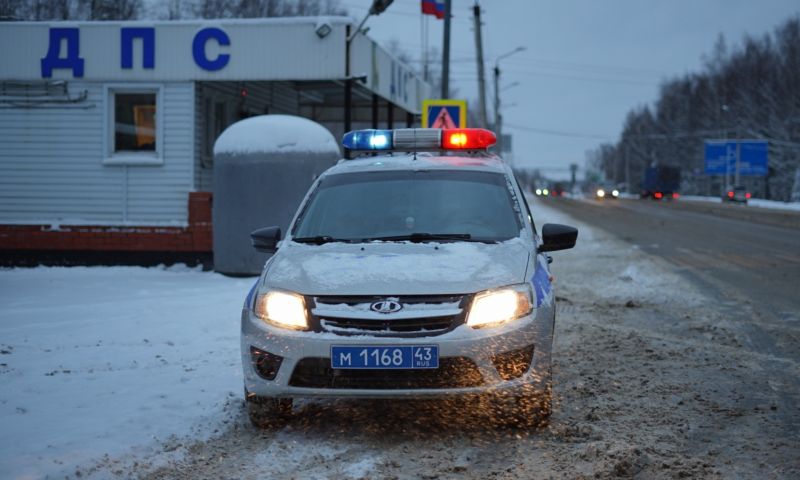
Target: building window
<point>133,126</point>
<point>135,122</point>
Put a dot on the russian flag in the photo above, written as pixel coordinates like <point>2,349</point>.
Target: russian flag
<point>433,7</point>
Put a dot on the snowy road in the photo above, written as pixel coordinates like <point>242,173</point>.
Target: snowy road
<point>651,379</point>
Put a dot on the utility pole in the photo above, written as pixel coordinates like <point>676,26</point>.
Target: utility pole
<point>498,121</point>
<point>738,155</point>
<point>476,17</point>
<point>446,51</point>
<point>498,118</point>
<point>627,169</point>
<point>573,170</point>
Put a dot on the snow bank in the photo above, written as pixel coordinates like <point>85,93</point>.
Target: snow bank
<point>100,360</point>
<point>753,202</point>
<point>276,133</point>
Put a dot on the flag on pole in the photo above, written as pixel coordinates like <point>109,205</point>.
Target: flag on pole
<point>433,7</point>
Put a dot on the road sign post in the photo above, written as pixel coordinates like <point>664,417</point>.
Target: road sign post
<point>444,113</point>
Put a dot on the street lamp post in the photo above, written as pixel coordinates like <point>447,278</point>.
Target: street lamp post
<point>377,7</point>
<point>498,119</point>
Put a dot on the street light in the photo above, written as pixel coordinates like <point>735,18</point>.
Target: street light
<point>377,7</point>
<point>498,121</point>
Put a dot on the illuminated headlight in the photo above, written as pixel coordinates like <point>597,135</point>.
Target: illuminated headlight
<point>601,193</point>
<point>538,191</point>
<point>545,192</point>
<point>284,309</point>
<point>495,307</point>
<point>615,193</point>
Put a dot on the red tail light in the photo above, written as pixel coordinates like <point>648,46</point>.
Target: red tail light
<point>748,195</point>
<point>467,139</point>
<point>658,195</point>
<point>676,195</point>
<point>730,194</point>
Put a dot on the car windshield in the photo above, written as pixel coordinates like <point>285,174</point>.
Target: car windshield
<point>410,205</point>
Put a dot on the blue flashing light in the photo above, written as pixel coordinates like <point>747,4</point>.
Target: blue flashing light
<point>368,140</point>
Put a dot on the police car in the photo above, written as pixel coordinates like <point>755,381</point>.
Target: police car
<point>413,271</point>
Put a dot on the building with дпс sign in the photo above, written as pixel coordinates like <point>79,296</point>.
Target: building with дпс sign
<point>108,128</point>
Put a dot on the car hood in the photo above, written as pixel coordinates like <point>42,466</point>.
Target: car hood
<point>397,268</point>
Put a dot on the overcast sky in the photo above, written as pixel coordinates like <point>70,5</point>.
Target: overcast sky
<point>587,61</point>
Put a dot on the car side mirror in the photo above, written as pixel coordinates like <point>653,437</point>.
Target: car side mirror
<point>557,237</point>
<point>266,239</point>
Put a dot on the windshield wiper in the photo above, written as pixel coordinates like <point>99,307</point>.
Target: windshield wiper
<point>319,239</point>
<point>421,237</point>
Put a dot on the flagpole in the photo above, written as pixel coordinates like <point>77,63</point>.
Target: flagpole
<point>446,51</point>
<point>424,53</point>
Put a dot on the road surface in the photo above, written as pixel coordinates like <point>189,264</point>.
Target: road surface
<point>738,262</point>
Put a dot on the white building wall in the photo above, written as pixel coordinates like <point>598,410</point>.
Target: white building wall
<point>52,171</point>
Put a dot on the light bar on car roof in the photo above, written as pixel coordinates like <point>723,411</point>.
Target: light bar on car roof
<point>419,139</point>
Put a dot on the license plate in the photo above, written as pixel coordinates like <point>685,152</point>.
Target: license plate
<point>385,356</point>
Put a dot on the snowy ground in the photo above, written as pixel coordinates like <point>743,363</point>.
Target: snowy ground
<point>99,361</point>
<point>129,372</point>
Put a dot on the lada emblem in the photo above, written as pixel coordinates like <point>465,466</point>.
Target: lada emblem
<point>386,306</point>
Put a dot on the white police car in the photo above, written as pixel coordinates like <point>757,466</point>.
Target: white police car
<point>414,271</point>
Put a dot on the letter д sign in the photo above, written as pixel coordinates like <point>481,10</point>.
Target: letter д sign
<point>199,49</point>
<point>53,58</point>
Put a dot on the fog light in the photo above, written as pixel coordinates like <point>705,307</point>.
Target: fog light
<point>265,364</point>
<point>513,364</point>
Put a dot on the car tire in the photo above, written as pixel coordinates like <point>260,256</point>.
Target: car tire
<point>267,412</point>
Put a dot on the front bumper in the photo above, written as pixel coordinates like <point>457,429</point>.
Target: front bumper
<point>471,361</point>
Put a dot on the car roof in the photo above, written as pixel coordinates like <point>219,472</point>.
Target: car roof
<point>420,161</point>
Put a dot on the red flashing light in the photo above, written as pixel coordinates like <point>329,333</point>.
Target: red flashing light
<point>730,194</point>
<point>676,195</point>
<point>748,195</point>
<point>658,195</point>
<point>467,139</point>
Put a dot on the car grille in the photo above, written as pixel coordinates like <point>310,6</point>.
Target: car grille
<point>343,322</point>
<point>453,372</point>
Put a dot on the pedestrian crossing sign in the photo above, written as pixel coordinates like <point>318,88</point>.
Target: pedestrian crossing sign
<point>444,113</point>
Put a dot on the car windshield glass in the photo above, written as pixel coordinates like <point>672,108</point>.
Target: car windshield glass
<point>411,205</point>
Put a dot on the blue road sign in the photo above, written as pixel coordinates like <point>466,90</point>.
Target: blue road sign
<point>720,157</point>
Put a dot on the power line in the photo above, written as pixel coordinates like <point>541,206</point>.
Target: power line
<point>560,133</point>
<point>466,76</point>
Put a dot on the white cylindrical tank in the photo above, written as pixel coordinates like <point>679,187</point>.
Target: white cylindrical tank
<point>263,167</point>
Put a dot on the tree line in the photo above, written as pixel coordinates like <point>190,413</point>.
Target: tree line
<point>41,10</point>
<point>750,91</point>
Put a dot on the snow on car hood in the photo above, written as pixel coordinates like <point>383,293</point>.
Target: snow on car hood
<point>397,268</point>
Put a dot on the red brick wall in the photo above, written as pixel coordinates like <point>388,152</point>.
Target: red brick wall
<point>194,238</point>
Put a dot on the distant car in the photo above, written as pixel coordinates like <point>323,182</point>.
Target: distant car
<point>557,190</point>
<point>415,271</point>
<point>737,194</point>
<point>542,192</point>
<point>603,193</point>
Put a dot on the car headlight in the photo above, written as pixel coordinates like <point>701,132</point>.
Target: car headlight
<point>495,307</point>
<point>284,309</point>
<point>615,193</point>
<point>601,193</point>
